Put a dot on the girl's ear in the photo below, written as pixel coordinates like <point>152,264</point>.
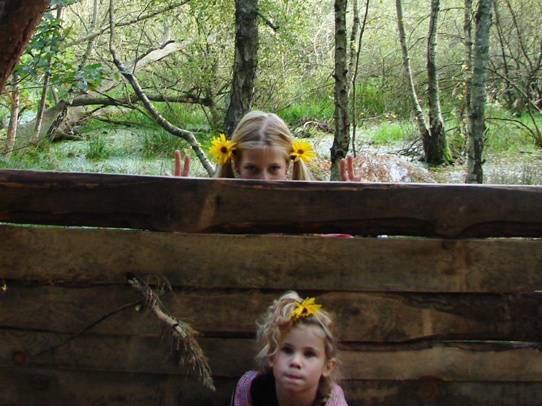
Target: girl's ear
<point>328,367</point>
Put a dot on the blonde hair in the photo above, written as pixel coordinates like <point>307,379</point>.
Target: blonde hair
<point>274,325</point>
<point>258,129</point>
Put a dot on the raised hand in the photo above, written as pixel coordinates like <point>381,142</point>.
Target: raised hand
<point>180,169</point>
<point>347,170</point>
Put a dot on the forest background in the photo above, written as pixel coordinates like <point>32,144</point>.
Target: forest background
<point>69,108</point>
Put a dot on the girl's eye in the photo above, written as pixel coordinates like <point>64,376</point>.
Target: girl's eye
<point>310,354</point>
<point>275,168</point>
<point>287,350</point>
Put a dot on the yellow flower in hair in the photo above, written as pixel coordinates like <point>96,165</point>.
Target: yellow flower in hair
<point>222,149</point>
<point>302,150</point>
<point>305,309</point>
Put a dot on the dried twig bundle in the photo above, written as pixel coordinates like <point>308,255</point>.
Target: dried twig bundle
<point>181,334</point>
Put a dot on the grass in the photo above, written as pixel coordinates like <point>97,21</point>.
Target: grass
<point>389,132</point>
<point>139,146</point>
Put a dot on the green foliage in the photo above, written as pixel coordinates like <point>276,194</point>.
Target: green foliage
<point>98,147</point>
<point>42,47</point>
<point>320,108</point>
<point>390,132</point>
<point>63,3</point>
<point>294,78</point>
<point>158,143</point>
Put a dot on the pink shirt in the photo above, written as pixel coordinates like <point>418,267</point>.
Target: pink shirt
<point>242,395</point>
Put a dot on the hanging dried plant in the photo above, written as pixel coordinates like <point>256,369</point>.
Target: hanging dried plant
<point>181,335</point>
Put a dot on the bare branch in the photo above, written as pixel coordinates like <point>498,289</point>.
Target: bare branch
<point>109,101</point>
<point>165,124</point>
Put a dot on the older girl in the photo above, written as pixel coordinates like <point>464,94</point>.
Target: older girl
<point>262,148</point>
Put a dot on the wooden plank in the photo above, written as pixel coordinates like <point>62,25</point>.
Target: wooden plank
<point>444,361</point>
<point>50,255</point>
<point>244,206</point>
<point>364,317</point>
<point>35,386</point>
<point>440,393</point>
<point>42,386</point>
<point>447,362</point>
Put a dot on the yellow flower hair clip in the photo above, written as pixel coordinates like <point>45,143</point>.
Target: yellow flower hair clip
<point>305,309</point>
<point>302,150</point>
<point>222,149</point>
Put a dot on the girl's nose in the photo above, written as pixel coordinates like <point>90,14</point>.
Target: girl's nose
<point>295,361</point>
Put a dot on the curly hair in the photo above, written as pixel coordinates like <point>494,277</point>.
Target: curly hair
<point>274,325</point>
<point>258,129</point>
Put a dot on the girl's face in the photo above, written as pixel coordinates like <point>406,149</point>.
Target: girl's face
<point>263,164</point>
<point>299,364</point>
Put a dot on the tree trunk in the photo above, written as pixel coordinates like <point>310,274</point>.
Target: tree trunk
<point>354,65</point>
<point>44,91</point>
<point>437,152</point>
<point>18,19</point>
<point>467,71</point>
<point>420,119</point>
<point>73,91</point>
<point>508,95</point>
<point>245,63</point>
<point>14,118</point>
<point>41,105</point>
<point>341,140</point>
<point>475,172</point>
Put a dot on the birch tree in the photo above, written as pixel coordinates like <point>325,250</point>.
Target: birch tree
<point>14,116</point>
<point>475,160</point>
<point>467,69</point>
<point>437,151</point>
<point>433,135</point>
<point>421,123</point>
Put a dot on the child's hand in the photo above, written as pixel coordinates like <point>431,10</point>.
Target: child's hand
<point>347,170</point>
<point>180,170</point>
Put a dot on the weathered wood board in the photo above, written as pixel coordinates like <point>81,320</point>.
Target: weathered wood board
<point>244,206</point>
<point>271,261</point>
<point>446,311</point>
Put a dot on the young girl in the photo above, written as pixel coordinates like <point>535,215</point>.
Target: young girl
<point>297,362</point>
<point>262,148</point>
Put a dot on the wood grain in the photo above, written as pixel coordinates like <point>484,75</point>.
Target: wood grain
<point>243,206</point>
<point>52,255</point>
<point>447,362</point>
<point>364,317</point>
<point>445,311</point>
<point>33,386</point>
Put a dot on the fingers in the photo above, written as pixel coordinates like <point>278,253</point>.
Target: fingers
<point>347,170</point>
<point>344,176</point>
<point>177,171</point>
<point>180,169</point>
<point>186,166</point>
<point>350,161</point>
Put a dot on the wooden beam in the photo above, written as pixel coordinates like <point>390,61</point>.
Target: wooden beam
<point>56,255</point>
<point>243,206</point>
<point>446,361</point>
<point>415,320</point>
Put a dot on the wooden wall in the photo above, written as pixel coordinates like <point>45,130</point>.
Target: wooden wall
<point>445,311</point>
